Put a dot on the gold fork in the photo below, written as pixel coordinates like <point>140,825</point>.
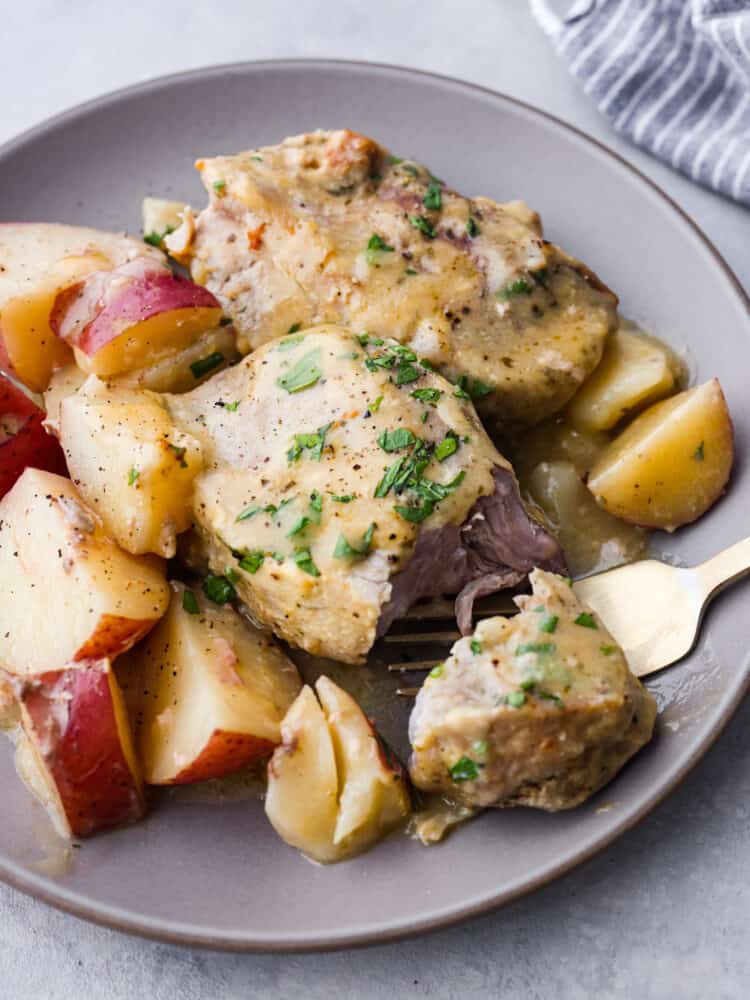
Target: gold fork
<point>653,610</point>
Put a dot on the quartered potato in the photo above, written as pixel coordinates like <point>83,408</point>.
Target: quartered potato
<point>207,690</point>
<point>131,464</point>
<point>671,464</point>
<point>333,789</point>
<point>636,370</point>
<point>67,592</point>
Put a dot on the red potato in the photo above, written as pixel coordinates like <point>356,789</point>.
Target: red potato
<point>78,757</point>
<point>207,692</point>
<point>67,592</point>
<point>38,260</point>
<point>23,440</point>
<point>123,319</point>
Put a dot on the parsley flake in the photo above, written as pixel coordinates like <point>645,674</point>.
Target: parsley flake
<point>345,550</point>
<point>586,620</point>
<point>190,602</point>
<point>304,374</point>
<point>465,769</point>
<point>206,365</point>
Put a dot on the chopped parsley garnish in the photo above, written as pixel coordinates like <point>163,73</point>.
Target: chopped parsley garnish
<point>534,647</point>
<point>289,342</point>
<point>586,620</point>
<point>254,509</point>
<point>406,473</point>
<point>232,407</point>
<point>294,328</point>
<point>179,454</point>
<point>155,238</point>
<point>374,407</point>
<point>479,389</point>
<point>516,699</point>
<point>480,748</point>
<point>304,374</point>
<point>314,443</point>
<point>465,769</point>
<point>396,440</point>
<point>447,447</point>
<point>365,339</point>
<point>257,159</point>
<point>433,198</point>
<point>218,589</point>
<point>471,227</point>
<point>427,395</point>
<point>699,454</point>
<point>375,246</point>
<point>231,574</point>
<point>474,389</point>
<point>426,228</point>
<point>518,287</point>
<point>299,526</point>
<point>316,502</point>
<point>347,498</point>
<point>411,169</point>
<point>349,356</point>
<point>206,365</point>
<point>437,670</point>
<point>252,561</point>
<point>549,624</point>
<point>406,373</point>
<point>345,550</point>
<point>304,561</point>
<point>395,160</point>
<point>411,271</point>
<point>549,696</point>
<point>190,602</point>
<point>476,646</point>
<point>219,187</point>
<point>607,650</point>
<point>425,416</point>
<point>133,476</point>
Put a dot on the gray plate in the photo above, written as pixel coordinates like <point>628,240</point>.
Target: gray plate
<point>217,875</point>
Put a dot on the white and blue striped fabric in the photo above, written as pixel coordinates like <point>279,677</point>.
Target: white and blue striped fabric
<point>673,76</point>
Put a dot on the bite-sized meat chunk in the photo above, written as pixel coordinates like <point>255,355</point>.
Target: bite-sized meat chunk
<point>343,481</point>
<point>329,228</point>
<point>536,710</point>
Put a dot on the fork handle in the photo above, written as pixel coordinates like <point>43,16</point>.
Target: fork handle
<point>725,568</point>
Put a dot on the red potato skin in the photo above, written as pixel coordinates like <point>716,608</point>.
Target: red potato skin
<point>91,313</point>
<point>30,445</point>
<point>224,753</point>
<point>113,635</point>
<point>70,716</point>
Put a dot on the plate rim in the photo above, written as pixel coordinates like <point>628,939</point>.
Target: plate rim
<point>158,929</point>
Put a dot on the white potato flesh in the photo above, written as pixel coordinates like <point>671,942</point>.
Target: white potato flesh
<point>67,592</point>
<point>207,692</point>
<point>131,464</point>
<point>333,791</point>
<point>373,797</point>
<point>303,786</point>
<point>636,370</point>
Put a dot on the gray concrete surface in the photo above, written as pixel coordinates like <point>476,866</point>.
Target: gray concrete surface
<point>662,914</point>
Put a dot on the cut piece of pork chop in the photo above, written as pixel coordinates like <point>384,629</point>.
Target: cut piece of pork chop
<point>343,481</point>
<point>329,228</point>
<point>537,710</point>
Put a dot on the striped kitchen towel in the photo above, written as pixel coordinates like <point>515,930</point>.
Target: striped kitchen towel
<point>673,76</point>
